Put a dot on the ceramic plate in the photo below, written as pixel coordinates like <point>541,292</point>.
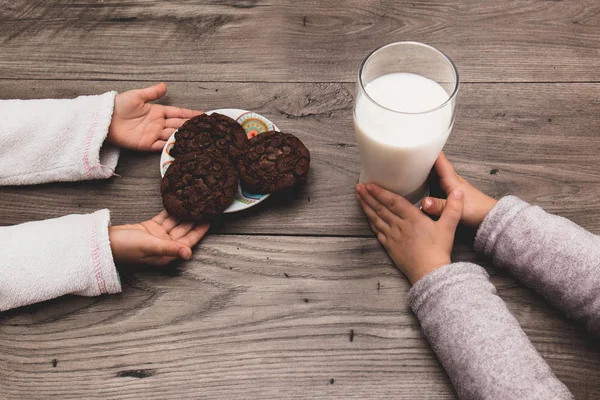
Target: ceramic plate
<point>254,124</point>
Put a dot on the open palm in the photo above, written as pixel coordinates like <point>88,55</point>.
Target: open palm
<point>157,241</point>
<point>139,125</point>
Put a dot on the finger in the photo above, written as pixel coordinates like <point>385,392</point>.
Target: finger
<point>161,217</point>
<point>374,218</point>
<point>452,213</point>
<point>444,167</point>
<point>170,223</point>
<point>383,208</point>
<point>173,248</point>
<point>166,133</point>
<point>162,261</point>
<point>177,112</point>
<point>433,206</point>
<point>174,122</point>
<point>194,236</point>
<point>158,145</point>
<point>153,92</point>
<point>181,230</point>
<point>366,200</point>
<point>382,238</point>
<point>374,229</point>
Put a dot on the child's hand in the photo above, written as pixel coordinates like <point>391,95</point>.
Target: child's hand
<point>157,241</point>
<point>476,204</point>
<point>415,243</point>
<point>138,125</point>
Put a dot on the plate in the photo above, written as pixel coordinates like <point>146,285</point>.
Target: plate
<point>254,124</point>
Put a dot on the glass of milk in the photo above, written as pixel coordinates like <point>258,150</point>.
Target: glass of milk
<point>403,113</point>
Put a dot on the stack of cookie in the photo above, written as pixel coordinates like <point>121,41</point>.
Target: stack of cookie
<point>212,153</point>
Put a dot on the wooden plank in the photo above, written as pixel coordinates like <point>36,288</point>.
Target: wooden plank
<point>542,138</point>
<point>231,324</point>
<point>289,41</point>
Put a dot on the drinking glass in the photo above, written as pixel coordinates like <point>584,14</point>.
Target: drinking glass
<point>403,113</point>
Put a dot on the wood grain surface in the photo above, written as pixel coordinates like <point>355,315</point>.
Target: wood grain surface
<point>260,317</point>
<point>295,298</point>
<point>287,40</point>
<point>543,140</point>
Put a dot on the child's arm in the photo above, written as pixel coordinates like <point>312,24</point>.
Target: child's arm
<point>476,338</point>
<point>76,139</point>
<point>47,259</point>
<point>550,254</point>
<point>478,341</point>
<point>56,140</point>
<point>76,254</point>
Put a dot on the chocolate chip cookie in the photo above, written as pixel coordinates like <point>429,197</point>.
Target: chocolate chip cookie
<point>215,132</point>
<point>274,162</point>
<point>199,186</point>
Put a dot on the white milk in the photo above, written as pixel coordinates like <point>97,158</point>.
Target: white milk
<point>398,150</point>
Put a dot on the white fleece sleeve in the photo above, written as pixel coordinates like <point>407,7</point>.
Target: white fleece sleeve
<point>47,259</point>
<point>56,140</point>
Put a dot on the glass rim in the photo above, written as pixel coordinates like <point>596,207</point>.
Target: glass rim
<point>444,56</point>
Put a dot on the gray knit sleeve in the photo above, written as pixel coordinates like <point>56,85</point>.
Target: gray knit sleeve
<point>550,254</point>
<point>477,340</point>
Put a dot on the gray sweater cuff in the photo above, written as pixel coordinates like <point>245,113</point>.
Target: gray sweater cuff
<point>444,278</point>
<point>494,223</point>
<point>548,253</point>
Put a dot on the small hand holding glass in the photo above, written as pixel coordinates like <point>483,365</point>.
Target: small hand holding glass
<point>416,244</point>
<point>156,242</point>
<point>139,125</point>
<point>476,204</point>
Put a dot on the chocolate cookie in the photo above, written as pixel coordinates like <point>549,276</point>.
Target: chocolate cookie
<point>274,162</point>
<point>199,186</point>
<point>215,132</point>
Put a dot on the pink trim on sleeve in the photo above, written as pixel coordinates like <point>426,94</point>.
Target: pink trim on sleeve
<point>96,259</point>
<point>88,142</point>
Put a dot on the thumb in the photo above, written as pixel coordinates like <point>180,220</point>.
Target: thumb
<point>153,92</point>
<point>453,210</point>
<point>445,170</point>
<point>172,248</point>
<point>433,206</point>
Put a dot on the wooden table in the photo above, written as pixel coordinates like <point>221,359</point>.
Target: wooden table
<point>296,299</point>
